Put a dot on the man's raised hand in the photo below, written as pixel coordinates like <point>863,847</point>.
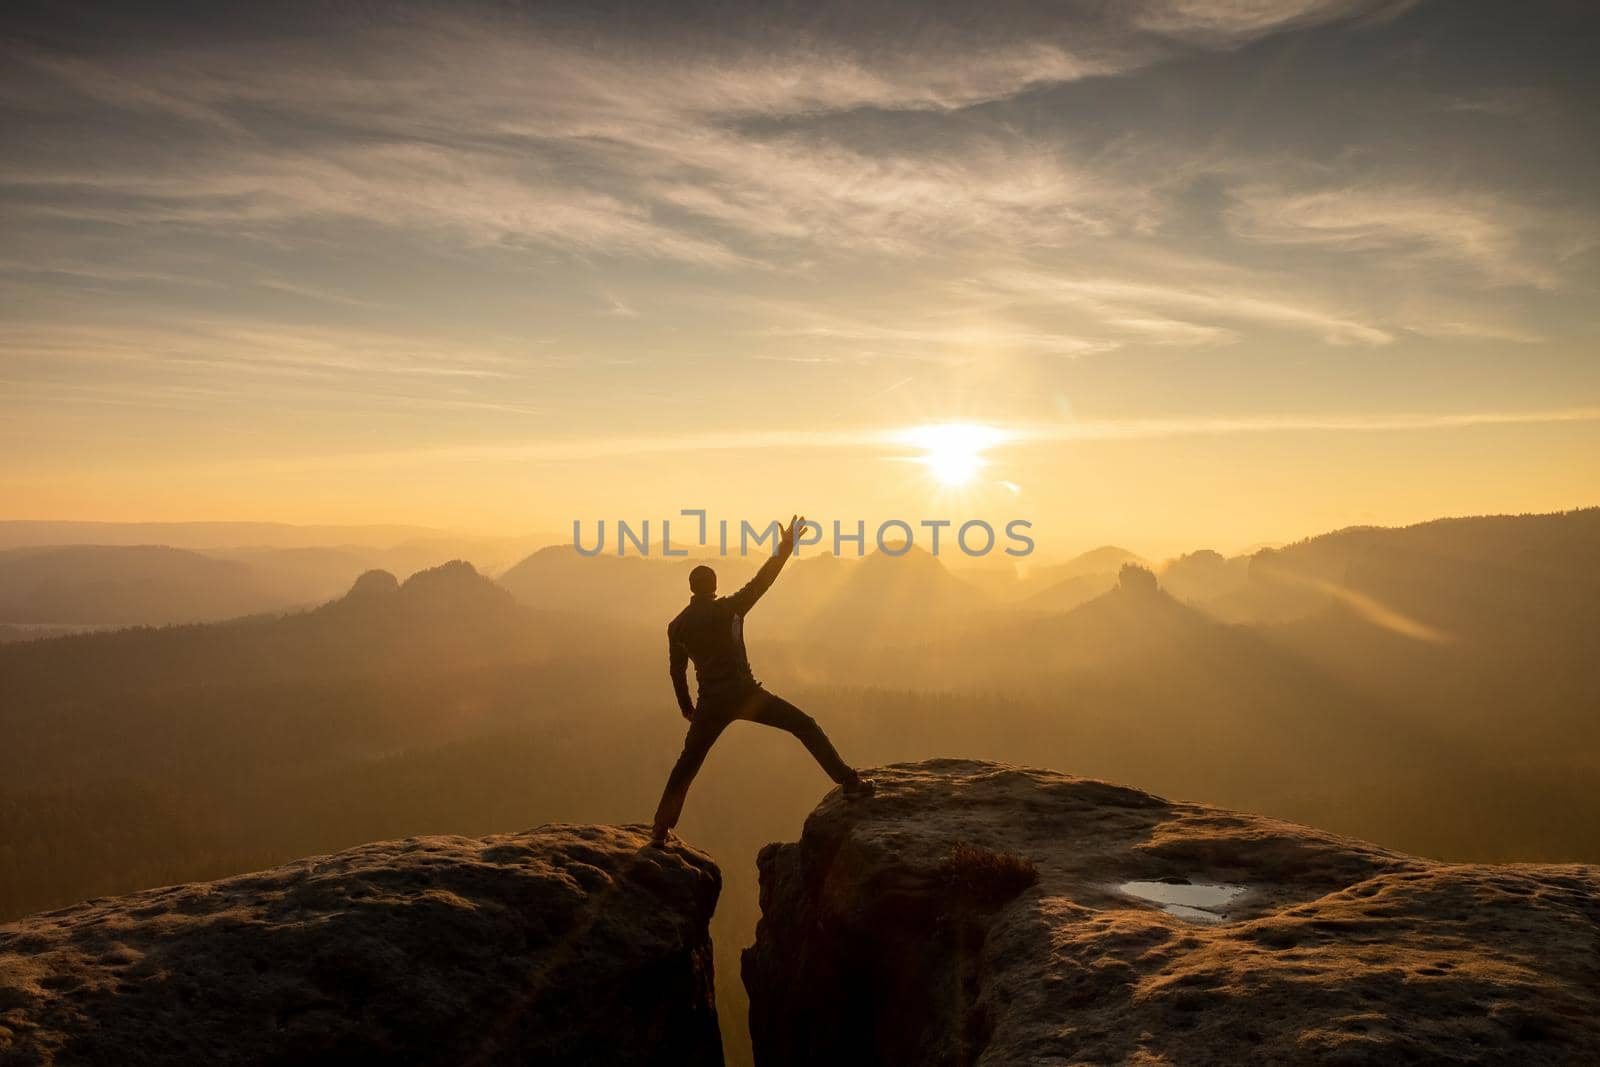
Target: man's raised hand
<point>786,541</point>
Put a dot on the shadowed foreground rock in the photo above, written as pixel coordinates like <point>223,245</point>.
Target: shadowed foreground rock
<point>565,944</point>
<point>971,912</point>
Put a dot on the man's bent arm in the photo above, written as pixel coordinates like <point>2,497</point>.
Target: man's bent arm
<point>678,664</point>
<point>746,598</point>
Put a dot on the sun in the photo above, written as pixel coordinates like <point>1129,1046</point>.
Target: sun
<point>952,451</point>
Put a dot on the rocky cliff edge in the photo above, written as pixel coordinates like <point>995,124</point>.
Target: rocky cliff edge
<point>981,913</point>
<point>564,944</point>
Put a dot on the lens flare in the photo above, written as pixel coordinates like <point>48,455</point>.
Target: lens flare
<point>953,451</point>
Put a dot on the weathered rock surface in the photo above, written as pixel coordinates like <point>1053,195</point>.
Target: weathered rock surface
<point>905,930</point>
<point>564,944</point>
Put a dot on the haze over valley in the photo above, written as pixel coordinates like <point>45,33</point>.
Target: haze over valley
<point>1430,688</point>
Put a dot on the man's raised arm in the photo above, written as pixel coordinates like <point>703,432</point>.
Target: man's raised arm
<point>746,598</point>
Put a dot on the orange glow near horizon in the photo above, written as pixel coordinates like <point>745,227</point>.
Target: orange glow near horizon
<point>497,267</point>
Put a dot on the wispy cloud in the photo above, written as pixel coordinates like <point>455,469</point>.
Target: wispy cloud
<point>1502,242</point>
<point>943,341</point>
<point>1473,330</point>
<point>496,129</point>
<point>246,349</point>
<point>1501,102</point>
<point>616,307</point>
<point>892,441</point>
<point>1169,311</point>
<point>1230,22</point>
<point>1146,429</point>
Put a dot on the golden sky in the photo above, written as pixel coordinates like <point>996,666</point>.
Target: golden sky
<point>1209,273</point>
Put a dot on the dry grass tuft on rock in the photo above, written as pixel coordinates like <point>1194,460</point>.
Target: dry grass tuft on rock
<point>986,878</point>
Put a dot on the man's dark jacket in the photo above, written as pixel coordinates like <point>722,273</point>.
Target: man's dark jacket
<point>710,631</point>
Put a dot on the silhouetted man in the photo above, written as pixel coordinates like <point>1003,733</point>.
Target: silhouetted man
<point>710,631</point>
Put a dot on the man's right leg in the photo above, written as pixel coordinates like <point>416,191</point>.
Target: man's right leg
<point>770,710</point>
<point>703,733</point>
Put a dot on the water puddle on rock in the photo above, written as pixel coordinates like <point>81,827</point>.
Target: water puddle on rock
<point>1198,902</point>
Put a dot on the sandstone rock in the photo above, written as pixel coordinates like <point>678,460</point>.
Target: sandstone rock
<point>373,585</point>
<point>973,913</point>
<point>564,944</point>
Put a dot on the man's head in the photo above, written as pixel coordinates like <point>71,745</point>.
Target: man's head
<point>702,581</point>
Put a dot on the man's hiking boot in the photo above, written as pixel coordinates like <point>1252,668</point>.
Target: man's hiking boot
<point>859,788</point>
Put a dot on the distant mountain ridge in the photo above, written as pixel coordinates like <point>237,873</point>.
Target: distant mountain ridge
<point>19,533</point>
<point>880,596</point>
<point>1472,571</point>
<point>370,628</point>
<point>130,585</point>
<point>89,585</point>
<point>1512,563</point>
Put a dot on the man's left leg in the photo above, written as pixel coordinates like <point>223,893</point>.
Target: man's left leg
<point>704,730</point>
<point>770,710</point>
